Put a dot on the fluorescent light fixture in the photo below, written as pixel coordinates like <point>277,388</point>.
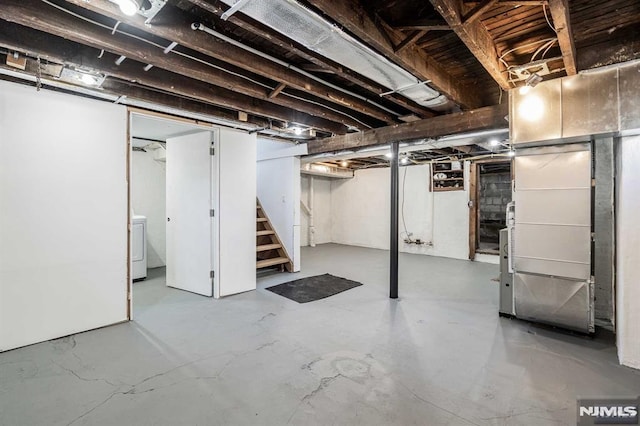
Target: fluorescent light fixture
<point>84,77</point>
<point>88,79</point>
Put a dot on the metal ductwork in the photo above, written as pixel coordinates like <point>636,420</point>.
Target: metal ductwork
<point>295,21</point>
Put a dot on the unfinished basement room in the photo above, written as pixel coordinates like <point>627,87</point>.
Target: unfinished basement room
<point>319,212</point>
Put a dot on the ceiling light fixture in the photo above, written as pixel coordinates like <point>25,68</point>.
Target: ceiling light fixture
<point>344,163</point>
<point>83,76</point>
<point>494,142</point>
<point>388,155</point>
<point>531,82</point>
<point>511,153</point>
<point>404,160</point>
<point>129,7</point>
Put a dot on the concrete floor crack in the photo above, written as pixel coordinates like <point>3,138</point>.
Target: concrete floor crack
<point>86,379</point>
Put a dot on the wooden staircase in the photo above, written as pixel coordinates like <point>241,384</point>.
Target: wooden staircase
<point>269,249</point>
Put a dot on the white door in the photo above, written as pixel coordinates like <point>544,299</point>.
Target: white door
<point>190,185</point>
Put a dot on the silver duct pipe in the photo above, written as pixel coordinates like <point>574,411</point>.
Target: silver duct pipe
<point>198,26</point>
<point>306,27</point>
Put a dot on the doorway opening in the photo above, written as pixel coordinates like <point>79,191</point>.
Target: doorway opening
<point>150,189</point>
<point>493,193</point>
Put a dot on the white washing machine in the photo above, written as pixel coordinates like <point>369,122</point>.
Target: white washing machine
<point>139,247</point>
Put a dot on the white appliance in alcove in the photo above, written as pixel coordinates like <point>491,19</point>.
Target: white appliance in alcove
<point>139,247</point>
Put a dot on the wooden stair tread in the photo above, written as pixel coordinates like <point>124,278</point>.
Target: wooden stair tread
<point>261,219</point>
<point>271,262</point>
<point>266,232</point>
<point>266,247</point>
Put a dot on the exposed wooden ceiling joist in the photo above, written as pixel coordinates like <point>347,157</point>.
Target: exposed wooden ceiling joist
<point>15,37</point>
<point>475,36</point>
<point>176,27</point>
<point>468,121</point>
<point>422,24</point>
<point>351,15</point>
<point>409,41</point>
<point>562,22</point>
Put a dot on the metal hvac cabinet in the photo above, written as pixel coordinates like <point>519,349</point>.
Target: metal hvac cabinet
<point>506,277</point>
<point>552,236</point>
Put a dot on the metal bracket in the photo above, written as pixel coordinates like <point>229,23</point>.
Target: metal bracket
<point>402,89</point>
<point>233,9</point>
<point>212,213</point>
<point>212,151</point>
<point>212,274</point>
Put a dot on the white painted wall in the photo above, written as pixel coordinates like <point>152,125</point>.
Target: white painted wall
<point>360,212</point>
<point>322,209</point>
<point>278,188</point>
<point>627,246</point>
<point>63,215</point>
<point>148,198</point>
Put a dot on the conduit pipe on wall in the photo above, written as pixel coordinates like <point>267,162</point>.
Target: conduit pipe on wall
<point>198,26</point>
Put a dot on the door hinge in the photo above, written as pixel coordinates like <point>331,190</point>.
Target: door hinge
<point>212,274</point>
<point>212,213</point>
<point>212,151</point>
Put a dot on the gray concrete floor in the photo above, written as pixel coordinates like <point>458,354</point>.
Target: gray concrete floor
<point>439,355</point>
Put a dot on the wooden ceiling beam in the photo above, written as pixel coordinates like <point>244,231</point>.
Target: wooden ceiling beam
<point>323,64</point>
<point>562,22</point>
<point>36,43</point>
<point>422,24</point>
<point>275,92</point>
<point>476,37</point>
<point>409,41</point>
<point>515,3</point>
<point>351,15</point>
<point>477,11</point>
<point>32,13</point>
<point>492,117</point>
<point>175,25</point>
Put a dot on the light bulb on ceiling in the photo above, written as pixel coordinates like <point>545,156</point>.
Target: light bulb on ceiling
<point>494,142</point>
<point>524,90</point>
<point>511,153</point>
<point>404,160</point>
<point>129,7</point>
<point>89,79</point>
<point>344,163</point>
<point>388,155</point>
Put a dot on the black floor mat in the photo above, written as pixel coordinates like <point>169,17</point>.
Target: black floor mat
<point>313,288</point>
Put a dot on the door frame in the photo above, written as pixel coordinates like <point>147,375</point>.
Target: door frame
<point>474,197</point>
<point>131,111</point>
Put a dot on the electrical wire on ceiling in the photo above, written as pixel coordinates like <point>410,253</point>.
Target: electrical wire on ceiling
<point>545,44</point>
<point>115,29</point>
<point>544,10</point>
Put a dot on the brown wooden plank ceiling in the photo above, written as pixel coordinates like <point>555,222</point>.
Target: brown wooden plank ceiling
<point>469,51</point>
